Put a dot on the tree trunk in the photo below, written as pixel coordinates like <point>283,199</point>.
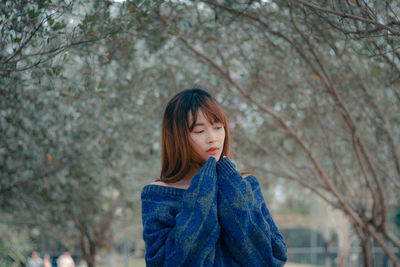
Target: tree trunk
<point>91,256</point>
<point>367,254</point>
<point>366,248</point>
<point>90,260</point>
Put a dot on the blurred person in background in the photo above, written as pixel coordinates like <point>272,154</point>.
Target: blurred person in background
<point>65,260</point>
<point>35,261</point>
<point>82,263</point>
<point>46,260</point>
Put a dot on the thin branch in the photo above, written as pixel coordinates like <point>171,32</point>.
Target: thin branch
<point>40,176</point>
<point>27,40</point>
<point>23,44</point>
<point>386,126</point>
<point>300,181</point>
<point>55,51</point>
<point>387,59</point>
<point>379,207</point>
<point>350,16</point>
<point>106,223</point>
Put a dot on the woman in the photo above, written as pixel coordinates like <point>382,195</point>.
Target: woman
<point>201,212</point>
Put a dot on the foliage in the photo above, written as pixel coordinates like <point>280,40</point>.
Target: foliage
<point>68,146</point>
<point>83,86</point>
<point>15,245</point>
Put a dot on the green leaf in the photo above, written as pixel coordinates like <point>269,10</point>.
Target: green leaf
<point>101,84</point>
<point>58,26</point>
<point>41,4</point>
<point>31,13</point>
<point>50,21</point>
<point>65,59</point>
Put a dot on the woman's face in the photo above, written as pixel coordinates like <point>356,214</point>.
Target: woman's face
<point>207,139</point>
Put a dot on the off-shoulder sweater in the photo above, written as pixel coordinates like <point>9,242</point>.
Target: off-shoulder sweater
<point>220,220</point>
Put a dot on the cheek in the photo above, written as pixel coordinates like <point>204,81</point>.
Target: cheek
<point>222,136</point>
<point>195,143</point>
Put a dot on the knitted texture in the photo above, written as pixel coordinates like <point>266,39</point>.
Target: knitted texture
<point>220,220</point>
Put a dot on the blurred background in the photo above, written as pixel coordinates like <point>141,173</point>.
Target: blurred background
<point>311,91</point>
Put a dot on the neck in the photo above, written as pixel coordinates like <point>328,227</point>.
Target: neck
<point>189,176</point>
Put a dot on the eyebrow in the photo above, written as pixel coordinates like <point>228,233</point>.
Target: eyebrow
<point>199,124</point>
<point>203,124</point>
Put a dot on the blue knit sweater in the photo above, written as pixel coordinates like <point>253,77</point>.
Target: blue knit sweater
<point>220,220</point>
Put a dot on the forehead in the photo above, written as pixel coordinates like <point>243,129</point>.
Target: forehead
<point>200,118</point>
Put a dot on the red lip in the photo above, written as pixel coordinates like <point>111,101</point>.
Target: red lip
<point>212,149</point>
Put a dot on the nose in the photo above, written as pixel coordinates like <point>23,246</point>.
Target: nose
<point>211,137</point>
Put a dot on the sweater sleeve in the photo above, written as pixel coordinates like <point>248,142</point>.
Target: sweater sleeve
<point>189,238</point>
<point>246,224</point>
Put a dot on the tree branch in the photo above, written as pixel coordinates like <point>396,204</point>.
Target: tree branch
<point>40,176</point>
<point>350,16</point>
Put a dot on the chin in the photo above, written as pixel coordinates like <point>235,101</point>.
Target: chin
<point>217,157</point>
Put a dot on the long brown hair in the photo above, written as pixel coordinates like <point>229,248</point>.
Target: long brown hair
<point>178,157</point>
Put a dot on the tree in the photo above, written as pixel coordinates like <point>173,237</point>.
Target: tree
<point>294,71</point>
<point>68,150</point>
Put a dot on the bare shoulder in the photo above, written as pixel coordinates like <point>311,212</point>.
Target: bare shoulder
<point>180,185</point>
<point>159,183</point>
